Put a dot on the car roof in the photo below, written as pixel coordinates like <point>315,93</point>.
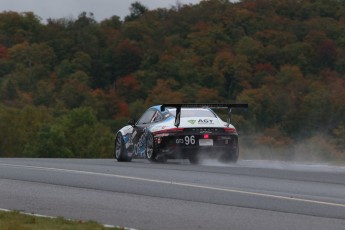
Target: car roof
<point>169,109</point>
<point>158,107</point>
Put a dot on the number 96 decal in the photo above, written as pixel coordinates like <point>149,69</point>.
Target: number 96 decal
<point>187,140</point>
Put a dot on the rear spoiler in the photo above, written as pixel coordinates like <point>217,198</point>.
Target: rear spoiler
<point>211,106</point>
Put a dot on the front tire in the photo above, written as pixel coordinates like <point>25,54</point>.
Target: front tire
<point>120,149</point>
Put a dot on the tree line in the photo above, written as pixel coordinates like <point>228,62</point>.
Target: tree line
<point>67,84</point>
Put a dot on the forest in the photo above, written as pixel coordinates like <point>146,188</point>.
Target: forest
<point>67,85</point>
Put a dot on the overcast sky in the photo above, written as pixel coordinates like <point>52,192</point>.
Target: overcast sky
<point>72,8</point>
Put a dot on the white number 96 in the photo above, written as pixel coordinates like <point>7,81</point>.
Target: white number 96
<point>189,140</point>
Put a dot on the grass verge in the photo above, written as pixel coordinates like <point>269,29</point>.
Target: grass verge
<point>17,221</point>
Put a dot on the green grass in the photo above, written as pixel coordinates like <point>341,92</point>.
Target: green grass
<point>17,221</point>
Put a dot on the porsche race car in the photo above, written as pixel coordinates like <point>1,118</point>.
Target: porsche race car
<point>179,131</point>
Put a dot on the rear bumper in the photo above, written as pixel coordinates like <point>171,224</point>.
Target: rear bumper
<point>186,146</point>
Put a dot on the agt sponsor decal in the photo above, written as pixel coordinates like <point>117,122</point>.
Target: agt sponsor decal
<point>202,121</point>
<point>205,121</point>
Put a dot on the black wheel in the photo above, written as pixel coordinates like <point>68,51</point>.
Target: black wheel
<point>231,157</point>
<point>192,155</point>
<point>161,159</point>
<point>120,149</point>
<point>194,159</point>
<point>150,153</point>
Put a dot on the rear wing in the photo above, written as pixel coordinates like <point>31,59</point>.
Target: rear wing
<point>210,105</point>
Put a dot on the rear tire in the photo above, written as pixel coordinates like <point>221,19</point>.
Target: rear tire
<point>120,152</point>
<point>194,160</point>
<point>161,159</point>
<point>230,157</point>
<point>149,152</point>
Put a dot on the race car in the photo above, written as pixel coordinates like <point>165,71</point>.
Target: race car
<point>179,131</point>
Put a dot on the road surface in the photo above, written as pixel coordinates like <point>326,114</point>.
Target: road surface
<point>177,195</point>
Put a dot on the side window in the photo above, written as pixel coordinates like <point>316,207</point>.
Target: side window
<point>146,117</point>
<point>157,117</point>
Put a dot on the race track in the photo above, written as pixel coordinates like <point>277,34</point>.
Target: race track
<point>177,195</point>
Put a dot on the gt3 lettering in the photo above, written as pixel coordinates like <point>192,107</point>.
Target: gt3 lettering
<point>179,141</point>
<point>187,140</point>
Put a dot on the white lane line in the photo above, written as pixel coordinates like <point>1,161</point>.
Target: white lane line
<point>179,184</point>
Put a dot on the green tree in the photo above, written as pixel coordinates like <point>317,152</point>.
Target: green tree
<point>75,91</point>
<point>19,27</point>
<point>85,137</point>
<point>136,10</point>
<point>163,92</point>
<point>50,142</point>
<point>19,128</point>
<point>33,63</point>
<point>127,58</point>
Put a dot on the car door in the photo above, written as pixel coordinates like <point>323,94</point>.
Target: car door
<point>140,132</point>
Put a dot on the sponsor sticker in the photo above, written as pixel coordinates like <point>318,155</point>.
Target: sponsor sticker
<point>139,147</point>
<point>205,121</point>
<point>192,121</point>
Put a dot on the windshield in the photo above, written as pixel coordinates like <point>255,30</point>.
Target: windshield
<point>193,112</point>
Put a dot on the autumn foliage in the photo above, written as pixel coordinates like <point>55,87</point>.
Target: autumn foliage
<point>285,58</point>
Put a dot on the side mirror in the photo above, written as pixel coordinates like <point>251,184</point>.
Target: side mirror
<point>131,122</point>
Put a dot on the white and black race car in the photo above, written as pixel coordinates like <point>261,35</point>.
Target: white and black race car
<point>179,131</point>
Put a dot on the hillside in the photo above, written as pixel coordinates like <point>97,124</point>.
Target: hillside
<point>67,85</point>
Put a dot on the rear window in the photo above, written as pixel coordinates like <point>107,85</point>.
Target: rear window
<point>193,113</point>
